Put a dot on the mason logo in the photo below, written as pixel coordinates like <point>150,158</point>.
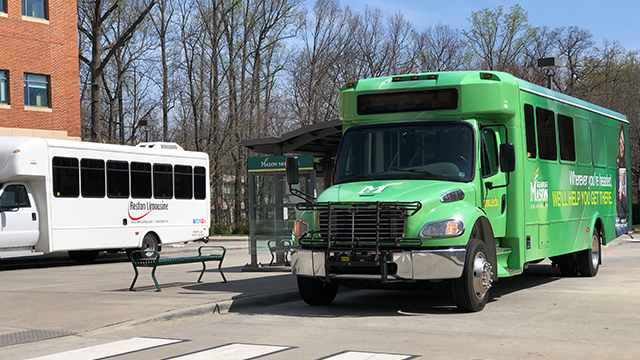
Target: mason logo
<point>371,190</point>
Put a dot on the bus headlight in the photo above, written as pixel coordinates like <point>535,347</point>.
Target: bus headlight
<point>442,229</point>
<point>300,228</point>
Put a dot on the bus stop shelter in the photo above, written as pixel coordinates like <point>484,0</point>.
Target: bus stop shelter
<point>272,209</point>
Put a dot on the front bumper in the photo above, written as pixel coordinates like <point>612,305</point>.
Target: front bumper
<point>399,265</point>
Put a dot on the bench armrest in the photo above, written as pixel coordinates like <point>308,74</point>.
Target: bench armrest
<point>224,250</point>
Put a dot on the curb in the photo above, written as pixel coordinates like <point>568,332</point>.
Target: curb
<point>211,308</point>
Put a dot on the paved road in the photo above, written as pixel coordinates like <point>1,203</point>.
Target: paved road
<point>538,315</point>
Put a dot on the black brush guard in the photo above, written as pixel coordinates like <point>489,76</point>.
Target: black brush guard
<point>359,237</point>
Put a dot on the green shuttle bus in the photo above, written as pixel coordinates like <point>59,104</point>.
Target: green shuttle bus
<point>462,178</point>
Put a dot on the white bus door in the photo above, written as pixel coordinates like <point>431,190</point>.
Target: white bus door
<point>18,217</point>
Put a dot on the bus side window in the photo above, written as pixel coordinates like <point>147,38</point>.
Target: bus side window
<point>183,181</point>
<point>566,138</point>
<point>66,182</point>
<point>92,178</point>
<point>200,182</point>
<point>162,181</point>
<point>546,126</point>
<point>140,180</point>
<point>117,179</point>
<point>489,160</point>
<point>530,130</point>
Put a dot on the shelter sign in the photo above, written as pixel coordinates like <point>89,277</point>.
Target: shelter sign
<point>277,163</point>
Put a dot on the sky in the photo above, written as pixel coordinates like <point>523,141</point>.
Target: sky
<point>605,19</point>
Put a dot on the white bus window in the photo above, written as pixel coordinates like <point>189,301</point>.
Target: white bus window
<point>200,183</point>
<point>162,181</point>
<point>92,178</point>
<point>66,182</point>
<point>183,180</point>
<point>140,180</point>
<point>117,179</point>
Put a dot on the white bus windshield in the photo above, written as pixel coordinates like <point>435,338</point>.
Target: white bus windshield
<point>426,151</point>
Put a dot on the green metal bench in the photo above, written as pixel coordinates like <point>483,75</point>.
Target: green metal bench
<point>156,261</point>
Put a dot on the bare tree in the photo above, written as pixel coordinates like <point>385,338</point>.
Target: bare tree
<point>92,17</point>
<point>440,48</point>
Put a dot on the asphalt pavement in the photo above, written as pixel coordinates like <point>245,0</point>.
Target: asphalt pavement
<point>54,294</point>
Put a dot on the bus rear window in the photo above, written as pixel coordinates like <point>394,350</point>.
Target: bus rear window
<point>406,101</point>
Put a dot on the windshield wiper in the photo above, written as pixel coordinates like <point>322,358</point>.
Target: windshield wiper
<point>422,171</point>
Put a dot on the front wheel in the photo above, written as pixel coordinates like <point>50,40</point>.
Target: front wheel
<point>471,290</point>
<point>316,292</point>
<point>589,259</point>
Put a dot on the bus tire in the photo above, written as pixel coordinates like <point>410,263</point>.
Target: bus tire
<point>317,292</point>
<point>149,245</point>
<point>83,256</point>
<point>471,290</point>
<point>589,259</point>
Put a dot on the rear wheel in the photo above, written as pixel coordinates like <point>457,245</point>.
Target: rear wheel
<point>471,290</point>
<point>315,291</point>
<point>589,259</point>
<point>84,256</point>
<point>149,245</point>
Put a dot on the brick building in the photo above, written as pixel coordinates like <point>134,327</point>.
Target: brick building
<point>39,90</point>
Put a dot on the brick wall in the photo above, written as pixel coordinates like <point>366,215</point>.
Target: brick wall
<point>41,47</point>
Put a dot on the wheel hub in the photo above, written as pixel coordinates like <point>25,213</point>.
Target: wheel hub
<point>482,276</point>
<point>595,250</point>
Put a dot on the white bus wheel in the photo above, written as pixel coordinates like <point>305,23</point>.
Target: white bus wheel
<point>149,246</point>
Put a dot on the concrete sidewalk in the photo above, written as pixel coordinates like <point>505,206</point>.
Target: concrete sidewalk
<point>55,294</point>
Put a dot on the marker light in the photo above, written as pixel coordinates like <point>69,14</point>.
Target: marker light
<point>16,151</point>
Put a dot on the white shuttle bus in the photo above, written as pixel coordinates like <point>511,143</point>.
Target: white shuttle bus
<point>81,197</point>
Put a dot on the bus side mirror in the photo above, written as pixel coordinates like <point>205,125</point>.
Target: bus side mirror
<point>291,166</point>
<point>507,158</point>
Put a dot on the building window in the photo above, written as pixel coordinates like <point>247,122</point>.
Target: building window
<point>4,85</point>
<point>36,90</point>
<point>3,6</point>
<point>34,8</point>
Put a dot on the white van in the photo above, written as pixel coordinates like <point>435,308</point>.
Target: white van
<point>81,197</point>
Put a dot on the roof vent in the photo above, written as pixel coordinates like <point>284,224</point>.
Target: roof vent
<point>161,145</point>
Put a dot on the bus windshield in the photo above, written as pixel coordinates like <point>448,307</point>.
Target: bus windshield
<point>424,150</point>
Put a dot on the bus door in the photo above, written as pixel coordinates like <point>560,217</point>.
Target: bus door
<point>18,217</point>
<point>494,198</point>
